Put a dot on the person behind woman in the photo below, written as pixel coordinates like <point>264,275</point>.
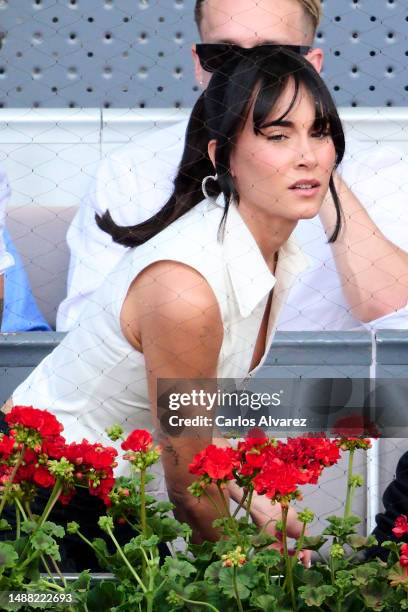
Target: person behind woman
<point>198,293</point>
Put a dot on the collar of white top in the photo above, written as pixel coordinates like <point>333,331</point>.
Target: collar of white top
<point>251,278</point>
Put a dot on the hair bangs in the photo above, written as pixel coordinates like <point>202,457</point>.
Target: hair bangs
<point>270,90</point>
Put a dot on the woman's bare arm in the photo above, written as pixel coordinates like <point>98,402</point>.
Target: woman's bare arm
<point>172,314</point>
<point>373,270</point>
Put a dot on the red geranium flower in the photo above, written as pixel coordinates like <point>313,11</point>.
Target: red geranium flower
<point>216,463</point>
<point>403,560</point>
<point>138,441</point>
<point>66,496</point>
<point>400,526</point>
<point>6,445</point>
<point>54,447</point>
<point>277,479</point>
<point>25,473</point>
<point>354,425</point>
<point>100,457</point>
<point>103,489</point>
<point>40,420</point>
<point>43,478</point>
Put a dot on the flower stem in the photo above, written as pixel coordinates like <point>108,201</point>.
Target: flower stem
<point>50,585</point>
<point>20,508</point>
<point>242,502</point>
<point>288,562</point>
<point>231,521</point>
<point>198,603</point>
<point>333,580</point>
<point>350,488</point>
<point>49,506</point>
<point>52,500</point>
<point>299,545</point>
<point>96,551</point>
<point>249,502</point>
<point>143,502</point>
<point>213,502</point>
<point>10,480</point>
<point>126,561</point>
<point>237,597</point>
<point>18,522</point>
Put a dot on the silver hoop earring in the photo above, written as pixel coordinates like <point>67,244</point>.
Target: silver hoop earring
<point>204,186</point>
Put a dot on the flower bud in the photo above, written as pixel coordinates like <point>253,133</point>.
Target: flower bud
<point>72,527</point>
<point>337,551</point>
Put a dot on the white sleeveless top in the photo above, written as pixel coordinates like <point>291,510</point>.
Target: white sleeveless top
<point>95,378</point>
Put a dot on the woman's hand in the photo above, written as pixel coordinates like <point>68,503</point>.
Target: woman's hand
<point>266,515</point>
<point>294,526</point>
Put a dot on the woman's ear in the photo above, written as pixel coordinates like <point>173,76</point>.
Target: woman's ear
<point>212,145</point>
<point>315,57</point>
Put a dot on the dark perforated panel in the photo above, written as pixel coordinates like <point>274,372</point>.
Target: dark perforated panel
<point>125,53</point>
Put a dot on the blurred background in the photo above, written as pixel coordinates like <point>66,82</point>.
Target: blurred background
<point>135,53</point>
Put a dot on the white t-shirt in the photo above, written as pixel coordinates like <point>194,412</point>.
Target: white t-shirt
<point>6,260</point>
<point>135,182</point>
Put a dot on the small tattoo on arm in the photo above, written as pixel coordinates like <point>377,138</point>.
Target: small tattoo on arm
<point>172,451</point>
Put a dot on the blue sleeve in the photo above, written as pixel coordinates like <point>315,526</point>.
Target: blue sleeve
<point>20,312</point>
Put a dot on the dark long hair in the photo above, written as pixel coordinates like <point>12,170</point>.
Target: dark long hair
<point>257,81</point>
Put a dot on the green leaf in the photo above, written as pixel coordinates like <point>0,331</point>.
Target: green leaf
<point>226,584</point>
<point>358,541</point>
<point>398,576</point>
<point>341,527</point>
<point>204,551</point>
<point>314,542</point>
<point>45,544</point>
<point>28,526</point>
<point>316,596</point>
<point>248,575</point>
<point>204,591</point>
<point>344,580</point>
<point>247,578</point>
<point>307,576</point>
<point>82,582</point>
<point>53,529</point>
<point>163,506</point>
<point>374,595</point>
<point>362,574</point>
<point>267,603</point>
<point>103,597</point>
<point>135,544</point>
<point>393,547</point>
<point>261,540</point>
<point>267,558</point>
<point>223,547</point>
<point>212,572</point>
<point>174,568</point>
<point>8,556</point>
<point>4,525</point>
<point>168,529</point>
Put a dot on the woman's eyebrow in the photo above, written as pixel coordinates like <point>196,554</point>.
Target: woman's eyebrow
<point>278,122</point>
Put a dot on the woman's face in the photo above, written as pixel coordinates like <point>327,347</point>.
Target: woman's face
<point>284,171</point>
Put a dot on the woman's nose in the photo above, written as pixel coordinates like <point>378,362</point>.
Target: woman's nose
<point>306,154</point>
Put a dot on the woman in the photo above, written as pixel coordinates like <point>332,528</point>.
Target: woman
<point>199,296</point>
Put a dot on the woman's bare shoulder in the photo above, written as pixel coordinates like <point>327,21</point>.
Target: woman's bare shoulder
<point>170,295</point>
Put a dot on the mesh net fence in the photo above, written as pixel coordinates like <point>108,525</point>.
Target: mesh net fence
<point>95,101</point>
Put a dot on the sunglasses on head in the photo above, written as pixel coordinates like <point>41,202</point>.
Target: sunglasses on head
<point>212,56</point>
